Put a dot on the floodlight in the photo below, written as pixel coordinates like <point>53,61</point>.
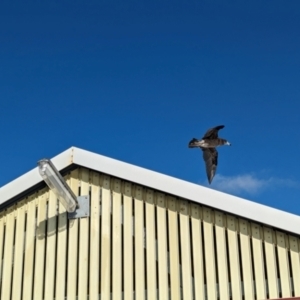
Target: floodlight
<point>58,185</point>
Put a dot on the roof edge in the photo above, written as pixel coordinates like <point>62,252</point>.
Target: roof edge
<point>187,190</point>
<point>167,184</point>
<point>32,178</point>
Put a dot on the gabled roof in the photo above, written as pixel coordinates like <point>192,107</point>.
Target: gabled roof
<point>180,188</point>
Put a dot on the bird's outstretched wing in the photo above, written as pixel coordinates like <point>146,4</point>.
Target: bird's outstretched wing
<point>210,156</point>
<point>212,133</point>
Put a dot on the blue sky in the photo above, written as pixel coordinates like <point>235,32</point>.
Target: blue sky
<point>136,81</point>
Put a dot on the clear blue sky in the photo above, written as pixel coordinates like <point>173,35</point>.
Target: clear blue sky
<point>136,81</point>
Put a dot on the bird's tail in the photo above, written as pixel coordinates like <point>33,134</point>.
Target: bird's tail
<point>193,143</point>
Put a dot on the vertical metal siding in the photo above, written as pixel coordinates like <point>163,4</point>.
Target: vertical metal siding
<point>233,255</point>
<point>209,254</point>
<point>51,247</point>
<point>2,242</point>
<point>61,252</point>
<point>283,264</point>
<point>18,252</point>
<point>174,248</point>
<point>30,248</point>
<point>259,273</point>
<point>83,256</point>
<point>128,242</point>
<point>95,230</point>
<point>150,245</point>
<point>8,255</point>
<point>116,240</point>
<point>295,263</point>
<point>105,279</point>
<point>72,251</point>
<point>270,256</point>
<point>198,266</point>
<point>246,259</point>
<point>163,285</point>
<point>221,256</point>
<point>40,244</point>
<point>185,242</point>
<point>139,244</point>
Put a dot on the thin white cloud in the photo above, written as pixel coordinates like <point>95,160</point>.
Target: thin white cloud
<point>250,183</point>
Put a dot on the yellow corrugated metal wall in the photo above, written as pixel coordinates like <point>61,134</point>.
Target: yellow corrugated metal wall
<point>139,244</point>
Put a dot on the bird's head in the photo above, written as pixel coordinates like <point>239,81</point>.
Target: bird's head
<point>192,143</point>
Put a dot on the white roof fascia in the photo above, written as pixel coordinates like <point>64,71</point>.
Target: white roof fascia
<point>197,193</point>
<point>31,178</point>
<point>180,188</point>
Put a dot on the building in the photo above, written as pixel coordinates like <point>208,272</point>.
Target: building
<point>148,236</point>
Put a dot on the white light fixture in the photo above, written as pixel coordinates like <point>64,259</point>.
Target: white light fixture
<point>58,185</point>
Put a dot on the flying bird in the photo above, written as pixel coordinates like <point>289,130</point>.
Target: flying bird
<point>208,145</point>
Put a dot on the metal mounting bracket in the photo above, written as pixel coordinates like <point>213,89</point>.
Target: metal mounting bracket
<point>84,208</point>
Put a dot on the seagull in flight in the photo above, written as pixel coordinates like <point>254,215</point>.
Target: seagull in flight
<point>208,145</point>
